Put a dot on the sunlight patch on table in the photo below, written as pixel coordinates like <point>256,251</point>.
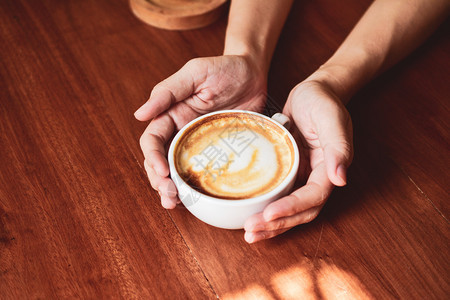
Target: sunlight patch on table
<point>325,281</point>
<point>307,281</point>
<point>294,282</point>
<point>254,291</point>
<point>335,283</point>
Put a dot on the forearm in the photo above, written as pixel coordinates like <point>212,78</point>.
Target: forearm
<point>254,27</point>
<point>388,31</point>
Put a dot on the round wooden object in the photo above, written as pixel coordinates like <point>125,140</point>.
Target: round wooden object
<point>178,14</point>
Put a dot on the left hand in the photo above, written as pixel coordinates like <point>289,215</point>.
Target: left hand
<point>201,86</point>
<point>324,136</point>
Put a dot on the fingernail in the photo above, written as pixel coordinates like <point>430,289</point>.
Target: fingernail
<point>269,216</point>
<point>167,204</point>
<point>159,169</point>
<point>249,237</point>
<point>155,168</point>
<point>341,173</point>
<point>139,110</point>
<point>171,189</point>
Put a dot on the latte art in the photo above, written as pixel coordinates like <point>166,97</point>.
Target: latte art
<point>234,156</point>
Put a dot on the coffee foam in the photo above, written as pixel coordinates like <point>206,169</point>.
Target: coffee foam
<point>234,156</point>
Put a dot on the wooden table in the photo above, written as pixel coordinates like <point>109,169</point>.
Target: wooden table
<point>78,218</point>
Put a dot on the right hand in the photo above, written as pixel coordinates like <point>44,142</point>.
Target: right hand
<point>202,85</point>
<point>323,129</point>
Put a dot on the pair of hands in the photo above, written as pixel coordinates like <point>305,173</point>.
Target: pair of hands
<point>323,131</point>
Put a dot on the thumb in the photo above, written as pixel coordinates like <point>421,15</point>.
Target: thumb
<point>175,88</point>
<point>336,140</point>
<point>337,160</point>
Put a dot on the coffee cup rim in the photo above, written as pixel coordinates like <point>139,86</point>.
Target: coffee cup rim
<point>235,202</point>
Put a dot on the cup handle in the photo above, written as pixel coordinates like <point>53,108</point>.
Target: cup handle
<point>282,119</point>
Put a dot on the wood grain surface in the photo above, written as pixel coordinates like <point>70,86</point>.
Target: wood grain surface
<point>78,218</point>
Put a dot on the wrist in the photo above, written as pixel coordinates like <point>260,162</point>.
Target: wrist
<point>253,29</point>
<point>335,78</point>
<point>254,53</point>
<point>346,72</point>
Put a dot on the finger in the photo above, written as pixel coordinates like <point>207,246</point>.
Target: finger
<point>154,178</point>
<point>175,88</point>
<point>153,142</point>
<point>334,129</point>
<point>167,201</point>
<point>257,222</point>
<point>313,194</point>
<point>165,187</point>
<point>252,237</point>
<point>158,183</point>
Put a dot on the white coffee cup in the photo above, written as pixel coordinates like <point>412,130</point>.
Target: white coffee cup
<point>225,213</point>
